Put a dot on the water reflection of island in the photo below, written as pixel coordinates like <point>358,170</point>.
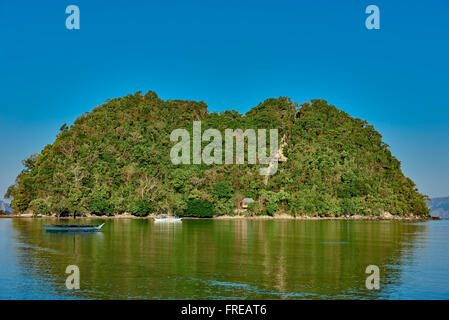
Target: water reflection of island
<point>201,259</point>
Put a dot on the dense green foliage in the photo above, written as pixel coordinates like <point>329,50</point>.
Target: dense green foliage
<point>140,208</point>
<point>199,208</point>
<point>39,207</point>
<point>116,159</point>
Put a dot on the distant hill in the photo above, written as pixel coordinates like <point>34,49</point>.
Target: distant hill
<point>5,207</point>
<point>439,207</point>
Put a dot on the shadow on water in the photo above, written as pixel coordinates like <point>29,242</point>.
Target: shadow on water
<point>204,259</point>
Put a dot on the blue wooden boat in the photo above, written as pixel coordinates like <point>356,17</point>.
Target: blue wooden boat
<point>73,228</point>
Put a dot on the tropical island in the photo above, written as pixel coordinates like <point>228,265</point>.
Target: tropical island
<point>115,160</point>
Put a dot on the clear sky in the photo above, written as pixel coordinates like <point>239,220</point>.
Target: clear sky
<point>232,55</point>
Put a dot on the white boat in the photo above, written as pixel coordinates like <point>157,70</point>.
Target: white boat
<point>167,218</point>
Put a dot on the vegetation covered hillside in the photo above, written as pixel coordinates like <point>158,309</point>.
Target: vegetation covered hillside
<point>116,159</point>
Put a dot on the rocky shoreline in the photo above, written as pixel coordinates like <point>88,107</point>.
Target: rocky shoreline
<point>385,216</point>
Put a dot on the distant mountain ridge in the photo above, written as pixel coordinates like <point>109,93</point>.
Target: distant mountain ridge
<point>5,207</point>
<point>439,207</point>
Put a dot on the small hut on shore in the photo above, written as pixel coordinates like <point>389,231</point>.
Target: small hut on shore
<point>245,202</point>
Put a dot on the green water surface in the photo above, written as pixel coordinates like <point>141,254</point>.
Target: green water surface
<point>230,259</point>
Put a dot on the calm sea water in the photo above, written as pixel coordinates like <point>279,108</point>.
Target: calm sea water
<point>218,259</point>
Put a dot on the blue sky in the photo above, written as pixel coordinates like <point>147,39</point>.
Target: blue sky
<point>232,55</point>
